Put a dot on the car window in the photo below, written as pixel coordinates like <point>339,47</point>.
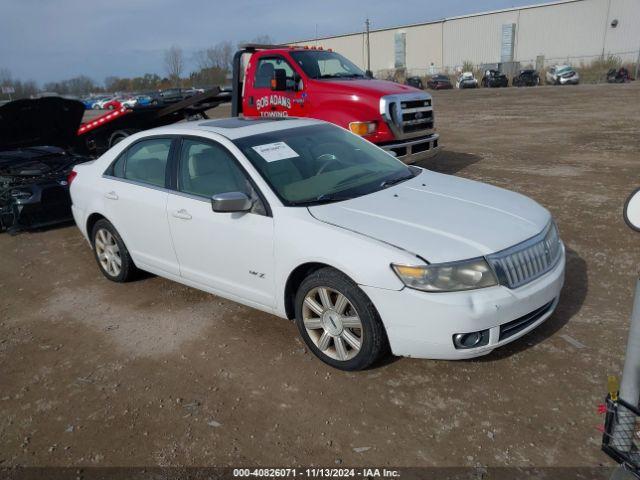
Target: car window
<point>265,69</point>
<point>146,162</point>
<point>319,163</point>
<point>206,168</point>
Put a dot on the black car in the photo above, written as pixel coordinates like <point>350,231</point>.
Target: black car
<point>494,79</point>
<point>621,75</point>
<point>415,82</point>
<point>36,137</point>
<point>173,95</point>
<point>526,78</point>
<point>439,82</point>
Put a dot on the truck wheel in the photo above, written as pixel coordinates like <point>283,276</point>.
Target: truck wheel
<point>338,322</point>
<point>110,252</point>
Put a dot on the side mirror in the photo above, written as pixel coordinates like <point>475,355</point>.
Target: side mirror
<point>279,80</point>
<point>632,210</point>
<point>231,202</point>
<point>368,74</point>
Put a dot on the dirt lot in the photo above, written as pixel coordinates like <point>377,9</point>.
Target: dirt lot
<point>154,373</point>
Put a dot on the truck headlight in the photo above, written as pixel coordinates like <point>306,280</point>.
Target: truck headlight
<point>447,277</point>
<point>362,128</point>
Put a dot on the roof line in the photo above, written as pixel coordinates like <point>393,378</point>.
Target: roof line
<point>442,20</point>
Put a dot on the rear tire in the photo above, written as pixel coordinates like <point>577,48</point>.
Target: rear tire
<point>111,254</point>
<point>338,322</point>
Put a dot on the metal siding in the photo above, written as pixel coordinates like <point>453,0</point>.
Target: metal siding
<point>475,39</point>
<point>562,31</point>
<point>626,36</point>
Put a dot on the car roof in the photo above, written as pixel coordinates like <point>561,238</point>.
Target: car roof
<point>235,127</point>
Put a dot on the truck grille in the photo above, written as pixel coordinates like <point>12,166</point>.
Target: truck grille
<point>528,260</point>
<point>408,117</point>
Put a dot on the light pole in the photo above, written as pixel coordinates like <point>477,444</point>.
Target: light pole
<point>367,24</point>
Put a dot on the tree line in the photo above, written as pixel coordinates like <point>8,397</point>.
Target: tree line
<point>212,68</point>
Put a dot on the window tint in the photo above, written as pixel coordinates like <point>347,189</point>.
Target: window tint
<point>265,69</point>
<point>145,161</point>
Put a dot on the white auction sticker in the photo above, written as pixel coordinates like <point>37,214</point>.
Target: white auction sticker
<point>272,152</point>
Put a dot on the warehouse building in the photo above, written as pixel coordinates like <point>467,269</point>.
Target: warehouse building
<point>573,31</point>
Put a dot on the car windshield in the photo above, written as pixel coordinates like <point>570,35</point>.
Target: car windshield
<point>321,164</point>
<point>320,64</point>
<point>563,70</point>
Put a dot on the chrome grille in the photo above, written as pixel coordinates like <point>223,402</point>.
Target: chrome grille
<point>408,115</point>
<point>528,260</point>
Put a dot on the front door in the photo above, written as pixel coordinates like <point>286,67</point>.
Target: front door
<point>230,253</point>
<point>261,101</point>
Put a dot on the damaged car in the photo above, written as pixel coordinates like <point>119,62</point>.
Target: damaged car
<point>466,80</point>
<point>494,79</point>
<point>36,136</point>
<point>41,140</point>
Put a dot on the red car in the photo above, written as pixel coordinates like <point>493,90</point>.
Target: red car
<point>113,104</point>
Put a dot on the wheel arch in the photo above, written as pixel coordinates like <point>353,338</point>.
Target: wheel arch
<point>296,277</point>
<point>91,221</point>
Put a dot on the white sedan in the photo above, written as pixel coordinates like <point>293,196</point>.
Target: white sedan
<point>304,220</point>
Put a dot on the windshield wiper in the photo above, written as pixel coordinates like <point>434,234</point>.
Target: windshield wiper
<point>342,75</point>
<point>324,198</point>
<point>394,181</point>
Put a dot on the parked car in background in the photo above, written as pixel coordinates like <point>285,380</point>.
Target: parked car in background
<point>100,104</point>
<point>415,82</point>
<point>129,101</point>
<point>620,75</point>
<point>142,100</point>
<point>439,82</point>
<point>526,78</point>
<point>113,104</point>
<point>494,79</point>
<point>562,75</point>
<point>305,220</point>
<point>466,80</point>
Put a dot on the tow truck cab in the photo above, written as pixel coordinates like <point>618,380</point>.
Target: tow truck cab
<point>281,81</point>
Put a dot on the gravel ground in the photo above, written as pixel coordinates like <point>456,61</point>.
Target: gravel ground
<point>155,373</point>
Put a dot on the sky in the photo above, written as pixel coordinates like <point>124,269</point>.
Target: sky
<point>50,40</point>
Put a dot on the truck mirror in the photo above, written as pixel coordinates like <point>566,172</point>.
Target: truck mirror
<point>632,210</point>
<point>279,80</point>
<point>369,74</point>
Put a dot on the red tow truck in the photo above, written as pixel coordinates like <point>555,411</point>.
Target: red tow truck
<point>290,81</point>
<point>311,82</point>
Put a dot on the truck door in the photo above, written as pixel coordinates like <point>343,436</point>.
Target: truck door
<point>260,97</point>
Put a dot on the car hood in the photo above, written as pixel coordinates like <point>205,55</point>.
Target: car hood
<point>42,121</point>
<point>439,217</point>
<point>371,87</point>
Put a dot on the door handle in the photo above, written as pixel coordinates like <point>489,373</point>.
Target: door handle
<point>111,195</point>
<point>182,214</point>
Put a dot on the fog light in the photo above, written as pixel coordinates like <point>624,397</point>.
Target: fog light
<point>471,340</point>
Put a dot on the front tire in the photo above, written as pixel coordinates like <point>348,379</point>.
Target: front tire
<point>338,322</point>
<point>110,253</point>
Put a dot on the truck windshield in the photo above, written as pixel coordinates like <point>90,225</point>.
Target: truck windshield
<point>320,164</point>
<point>320,64</point>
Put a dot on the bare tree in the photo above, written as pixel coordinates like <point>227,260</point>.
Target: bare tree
<point>219,57</point>
<point>174,64</point>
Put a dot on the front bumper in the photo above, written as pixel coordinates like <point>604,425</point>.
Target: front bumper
<point>414,150</point>
<point>569,81</point>
<point>422,325</point>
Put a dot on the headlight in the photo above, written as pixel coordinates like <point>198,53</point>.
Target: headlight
<point>447,277</point>
<point>362,128</point>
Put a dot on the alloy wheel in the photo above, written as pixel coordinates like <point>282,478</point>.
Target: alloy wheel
<point>332,323</point>
<point>108,252</point>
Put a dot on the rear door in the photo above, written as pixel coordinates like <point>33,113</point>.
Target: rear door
<point>261,101</point>
<point>135,193</point>
<point>230,253</point>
